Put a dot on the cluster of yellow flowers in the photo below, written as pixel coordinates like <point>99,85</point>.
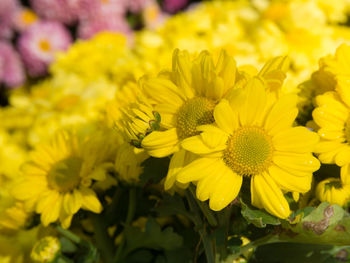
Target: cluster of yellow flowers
<point>224,116</point>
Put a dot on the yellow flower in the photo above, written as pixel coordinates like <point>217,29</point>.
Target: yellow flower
<point>335,190</point>
<point>185,98</point>
<point>128,162</point>
<point>46,249</point>
<point>130,113</point>
<point>253,137</point>
<point>57,182</point>
<point>333,117</point>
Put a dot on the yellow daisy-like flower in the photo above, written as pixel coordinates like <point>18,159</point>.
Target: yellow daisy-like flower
<point>333,117</point>
<point>253,137</point>
<point>57,182</point>
<point>185,98</point>
<point>335,190</point>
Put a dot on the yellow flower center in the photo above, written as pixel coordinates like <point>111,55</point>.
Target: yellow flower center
<point>194,112</point>
<point>64,176</point>
<point>249,151</point>
<point>44,45</point>
<point>28,17</point>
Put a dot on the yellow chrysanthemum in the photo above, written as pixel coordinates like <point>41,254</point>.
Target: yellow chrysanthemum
<point>333,117</point>
<point>46,250</point>
<point>130,113</point>
<point>128,162</point>
<point>57,182</point>
<point>185,100</point>
<point>335,190</point>
<point>253,137</point>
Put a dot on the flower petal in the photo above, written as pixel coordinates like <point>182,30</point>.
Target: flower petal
<point>290,182</point>
<point>296,139</point>
<point>225,117</point>
<point>265,190</point>
<point>176,164</point>
<point>226,190</point>
<point>90,201</point>
<point>161,143</point>
<point>282,114</point>
<point>298,164</point>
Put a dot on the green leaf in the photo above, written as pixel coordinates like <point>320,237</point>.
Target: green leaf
<point>153,237</point>
<point>260,218</point>
<point>172,205</point>
<point>326,224</point>
<point>293,252</point>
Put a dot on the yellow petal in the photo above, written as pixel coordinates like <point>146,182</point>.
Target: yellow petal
<point>89,200</point>
<point>343,156</point>
<point>265,190</point>
<point>345,174</point>
<point>328,134</point>
<point>254,105</point>
<point>324,117</point>
<point>207,184</point>
<point>226,190</point>
<point>182,72</point>
<point>290,182</point>
<point>227,70</point>
<point>296,139</point>
<point>51,213</point>
<point>176,164</point>
<point>161,143</point>
<point>164,91</point>
<point>198,169</point>
<point>225,118</point>
<point>298,164</point>
<point>326,146</point>
<point>195,144</point>
<point>282,114</point>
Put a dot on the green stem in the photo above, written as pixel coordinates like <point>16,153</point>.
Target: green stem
<point>206,240</point>
<point>271,238</point>
<point>103,240</point>
<point>204,208</point>
<point>68,234</point>
<point>208,246</point>
<point>129,217</point>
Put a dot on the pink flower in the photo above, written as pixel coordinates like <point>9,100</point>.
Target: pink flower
<point>64,11</point>
<point>8,10</point>
<point>172,6</point>
<point>39,43</point>
<point>11,67</point>
<point>90,9</point>
<point>24,18</point>
<point>92,26</point>
<point>137,6</point>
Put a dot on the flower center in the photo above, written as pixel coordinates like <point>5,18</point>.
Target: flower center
<point>64,176</point>
<point>28,17</point>
<point>249,151</point>
<point>44,45</point>
<point>194,112</point>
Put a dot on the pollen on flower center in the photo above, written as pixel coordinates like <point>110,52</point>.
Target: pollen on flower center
<point>64,176</point>
<point>249,151</point>
<point>44,45</point>
<point>194,112</point>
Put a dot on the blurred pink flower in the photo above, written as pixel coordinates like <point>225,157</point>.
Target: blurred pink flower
<point>24,18</point>
<point>137,6</point>
<point>172,6</point>
<point>11,67</point>
<point>39,43</point>
<point>89,27</point>
<point>8,10</point>
<point>64,11</point>
<point>90,9</point>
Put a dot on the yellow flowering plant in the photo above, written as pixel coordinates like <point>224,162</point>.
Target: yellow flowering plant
<point>211,137</point>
